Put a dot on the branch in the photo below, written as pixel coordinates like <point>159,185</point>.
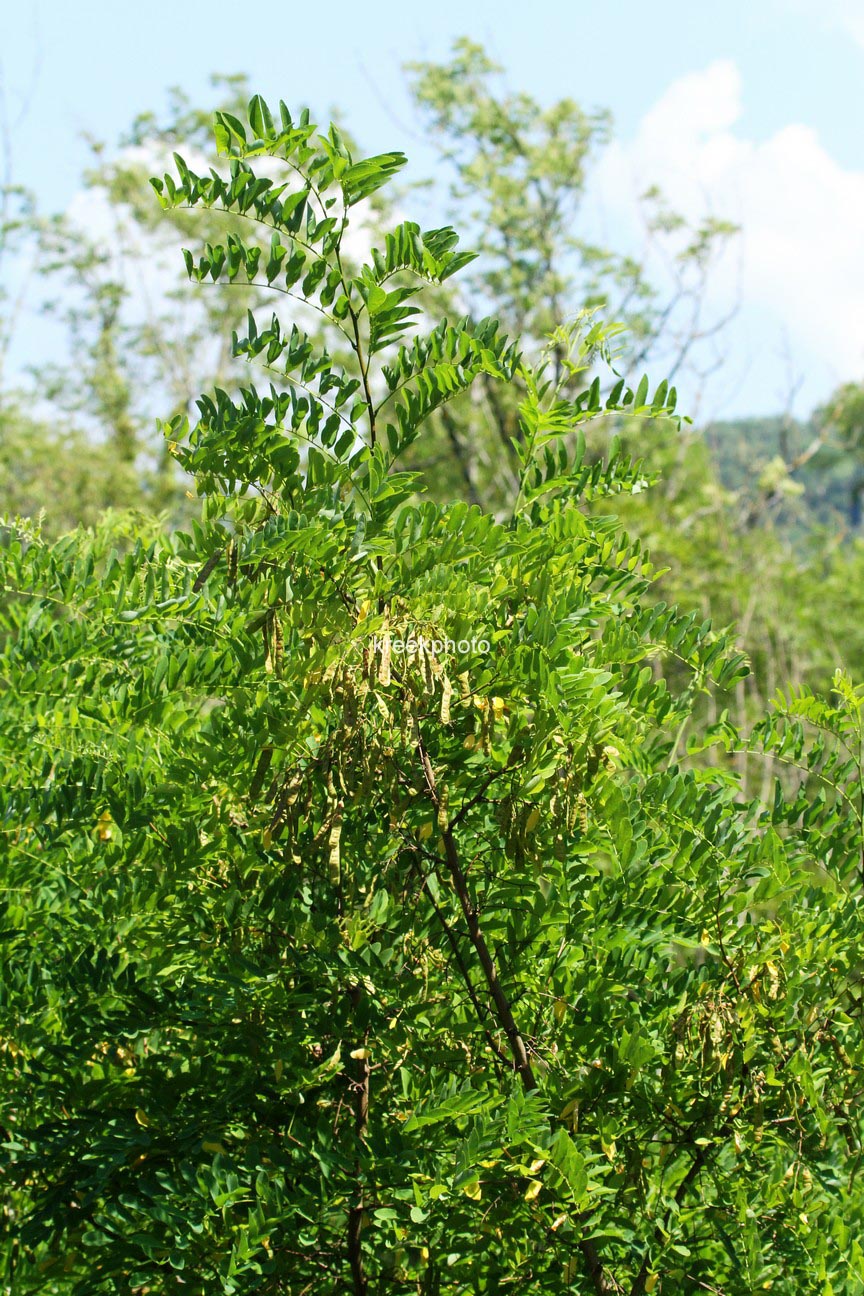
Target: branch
<point>503,1008</point>
<point>480,1010</point>
<point>449,424</point>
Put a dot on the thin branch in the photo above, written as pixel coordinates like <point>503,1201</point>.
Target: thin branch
<point>503,1008</point>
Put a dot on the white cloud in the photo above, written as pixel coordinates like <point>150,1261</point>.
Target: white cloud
<point>842,15</point>
<point>801,273</point>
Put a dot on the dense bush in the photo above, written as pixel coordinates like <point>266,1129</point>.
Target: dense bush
<point>364,928</point>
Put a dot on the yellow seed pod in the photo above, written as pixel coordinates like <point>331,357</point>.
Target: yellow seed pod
<point>464,689</point>
<point>446,695</point>
<point>384,663</point>
<point>383,709</point>
<point>278,646</point>
<point>533,819</point>
<point>582,810</point>
<point>335,844</point>
<point>405,720</point>
<point>497,707</point>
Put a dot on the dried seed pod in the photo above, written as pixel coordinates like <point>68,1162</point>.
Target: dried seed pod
<point>504,814</point>
<point>349,705</point>
<point>443,815</point>
<point>206,570</point>
<point>428,676</point>
<point>487,726</point>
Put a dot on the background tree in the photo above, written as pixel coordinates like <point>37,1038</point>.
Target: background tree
<point>518,175</point>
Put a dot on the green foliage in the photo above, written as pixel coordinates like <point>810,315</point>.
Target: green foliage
<point>361,929</point>
<point>59,473</point>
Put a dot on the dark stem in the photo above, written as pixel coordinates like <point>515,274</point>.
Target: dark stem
<point>361,1120</point>
<point>358,351</point>
<point>503,1009</point>
<point>480,1010</point>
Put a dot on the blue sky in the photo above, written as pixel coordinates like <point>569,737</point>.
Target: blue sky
<point>753,111</point>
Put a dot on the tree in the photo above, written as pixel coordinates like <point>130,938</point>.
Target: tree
<point>362,930</point>
<point>515,176</point>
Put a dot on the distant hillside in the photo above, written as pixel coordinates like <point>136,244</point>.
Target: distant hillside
<point>745,449</point>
